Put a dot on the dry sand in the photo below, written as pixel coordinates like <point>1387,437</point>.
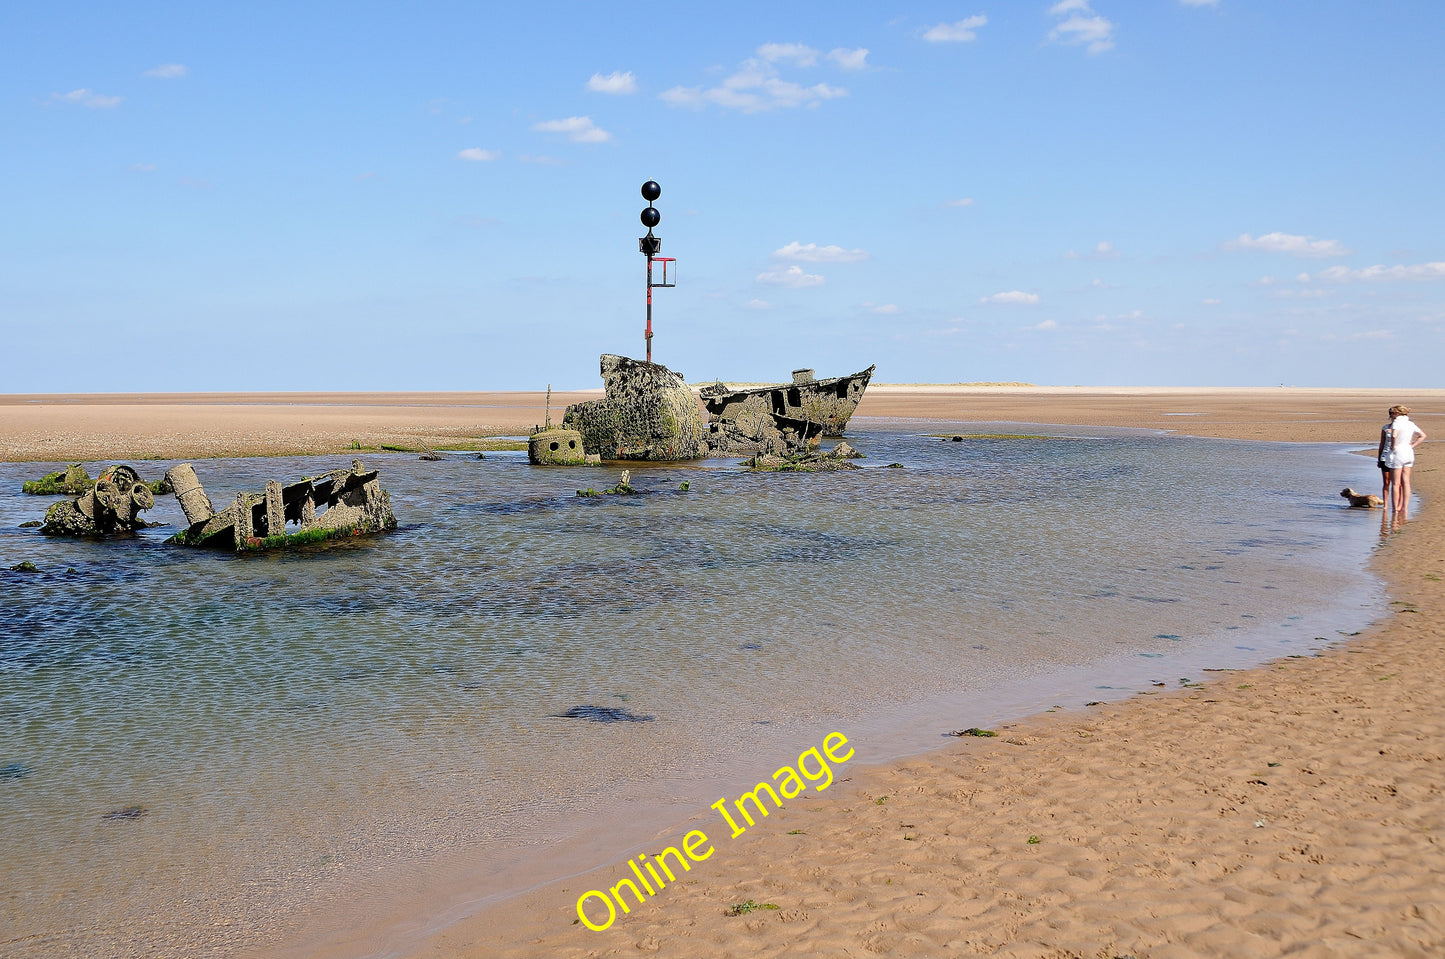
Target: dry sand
<point>1295,809</point>
<point>56,427</point>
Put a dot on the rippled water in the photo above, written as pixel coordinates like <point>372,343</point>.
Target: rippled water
<point>287,721</point>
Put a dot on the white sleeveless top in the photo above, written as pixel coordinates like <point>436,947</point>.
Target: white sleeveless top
<point>1398,451</point>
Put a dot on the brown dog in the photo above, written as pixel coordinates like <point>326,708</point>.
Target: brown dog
<point>1362,500</point>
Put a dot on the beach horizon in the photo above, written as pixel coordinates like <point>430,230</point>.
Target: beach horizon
<point>57,427</point>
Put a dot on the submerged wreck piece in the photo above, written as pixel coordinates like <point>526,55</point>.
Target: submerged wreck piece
<point>555,446</point>
<point>112,505</point>
<point>71,481</point>
<point>339,503</point>
<point>649,413</point>
<point>759,420</point>
<point>808,460</point>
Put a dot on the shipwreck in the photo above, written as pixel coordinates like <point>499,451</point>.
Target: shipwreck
<point>648,413</point>
<point>111,505</point>
<point>344,502</point>
<point>776,419</point>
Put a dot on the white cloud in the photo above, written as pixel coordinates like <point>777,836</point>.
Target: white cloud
<point>887,309</point>
<point>1103,250</point>
<point>813,253</point>
<point>168,71</point>
<point>578,129</point>
<point>962,31</point>
<point>962,201</point>
<point>757,84</point>
<point>793,277</point>
<point>758,305</point>
<point>478,155</point>
<point>849,59</point>
<point>1289,243</point>
<point>1083,26</point>
<point>1375,274</point>
<point>87,98</point>
<point>1045,325</point>
<point>799,54</point>
<point>1012,296</point>
<point>616,82</point>
<point>1211,301</point>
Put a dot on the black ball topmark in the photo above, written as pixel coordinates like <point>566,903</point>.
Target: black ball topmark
<point>651,191</point>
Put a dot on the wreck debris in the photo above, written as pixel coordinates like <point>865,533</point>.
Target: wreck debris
<point>808,460</point>
<point>649,413</point>
<point>555,446</point>
<point>352,499</point>
<point>779,419</point>
<point>112,505</point>
<point>71,481</point>
<point>624,487</point>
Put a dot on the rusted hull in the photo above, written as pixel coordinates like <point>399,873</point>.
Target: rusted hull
<point>818,404</point>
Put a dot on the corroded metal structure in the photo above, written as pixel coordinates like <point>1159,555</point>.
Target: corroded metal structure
<point>774,419</point>
<point>649,413</point>
<point>112,505</point>
<point>344,502</point>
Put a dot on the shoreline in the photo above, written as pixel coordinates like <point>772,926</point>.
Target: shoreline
<point>57,428</point>
<point>1256,813</point>
<point>853,880</point>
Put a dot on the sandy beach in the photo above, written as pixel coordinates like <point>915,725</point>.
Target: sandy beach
<point>1293,809</point>
<point>54,427</point>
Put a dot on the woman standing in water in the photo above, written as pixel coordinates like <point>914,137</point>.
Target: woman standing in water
<point>1397,452</point>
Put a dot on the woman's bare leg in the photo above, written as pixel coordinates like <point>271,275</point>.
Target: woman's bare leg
<point>1402,490</point>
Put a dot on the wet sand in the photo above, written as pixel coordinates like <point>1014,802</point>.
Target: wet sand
<point>1294,809</point>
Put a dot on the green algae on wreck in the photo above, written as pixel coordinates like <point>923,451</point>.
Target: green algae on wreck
<point>71,481</point>
<point>808,461</point>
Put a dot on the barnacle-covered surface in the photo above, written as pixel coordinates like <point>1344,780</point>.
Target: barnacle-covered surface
<point>760,419</point>
<point>338,503</point>
<point>112,505</point>
<point>649,413</point>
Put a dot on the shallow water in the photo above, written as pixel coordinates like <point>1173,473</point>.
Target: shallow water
<point>289,722</point>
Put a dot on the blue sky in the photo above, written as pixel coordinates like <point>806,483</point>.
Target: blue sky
<point>445,195</point>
